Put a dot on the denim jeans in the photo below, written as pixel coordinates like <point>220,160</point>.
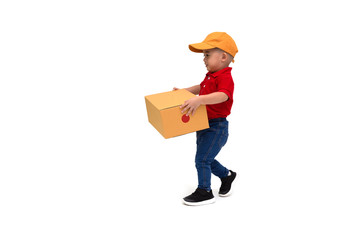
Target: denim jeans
<point>209,143</point>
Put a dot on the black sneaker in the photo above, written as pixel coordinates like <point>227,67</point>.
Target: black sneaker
<point>199,197</point>
<point>226,184</point>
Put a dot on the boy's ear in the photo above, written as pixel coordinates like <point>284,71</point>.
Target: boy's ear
<point>224,56</point>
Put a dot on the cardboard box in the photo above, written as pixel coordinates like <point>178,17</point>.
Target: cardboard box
<point>165,115</point>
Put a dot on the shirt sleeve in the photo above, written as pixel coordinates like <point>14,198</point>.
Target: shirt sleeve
<point>225,84</point>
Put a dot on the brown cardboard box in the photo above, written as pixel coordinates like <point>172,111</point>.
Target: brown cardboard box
<point>165,115</point>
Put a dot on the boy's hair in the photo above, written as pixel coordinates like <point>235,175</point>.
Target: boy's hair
<point>231,58</point>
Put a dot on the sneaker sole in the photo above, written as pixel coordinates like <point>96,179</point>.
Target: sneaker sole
<point>231,189</point>
<point>205,202</point>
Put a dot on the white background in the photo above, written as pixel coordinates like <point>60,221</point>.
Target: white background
<point>78,159</point>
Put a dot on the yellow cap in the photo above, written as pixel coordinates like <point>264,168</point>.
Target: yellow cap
<point>219,40</point>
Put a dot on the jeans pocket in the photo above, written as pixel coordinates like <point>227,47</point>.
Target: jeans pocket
<point>223,138</point>
<point>224,134</point>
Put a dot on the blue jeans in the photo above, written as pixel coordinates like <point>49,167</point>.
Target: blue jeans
<point>209,143</point>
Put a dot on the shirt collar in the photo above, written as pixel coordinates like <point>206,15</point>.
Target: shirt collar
<point>215,74</point>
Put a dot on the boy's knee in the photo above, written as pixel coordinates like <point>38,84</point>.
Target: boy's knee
<point>201,162</point>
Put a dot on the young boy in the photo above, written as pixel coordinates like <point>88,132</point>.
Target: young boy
<point>216,92</point>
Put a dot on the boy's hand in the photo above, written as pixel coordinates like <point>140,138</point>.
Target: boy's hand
<point>191,105</point>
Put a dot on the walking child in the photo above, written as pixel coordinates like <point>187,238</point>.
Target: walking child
<point>216,92</point>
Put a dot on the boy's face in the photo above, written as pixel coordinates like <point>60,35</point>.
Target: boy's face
<point>213,59</point>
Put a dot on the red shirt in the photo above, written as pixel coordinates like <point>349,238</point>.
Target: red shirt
<point>220,81</point>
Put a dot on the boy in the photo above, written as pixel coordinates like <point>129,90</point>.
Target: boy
<point>216,92</point>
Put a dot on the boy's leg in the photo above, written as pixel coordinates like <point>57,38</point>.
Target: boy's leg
<point>209,143</point>
<point>219,170</point>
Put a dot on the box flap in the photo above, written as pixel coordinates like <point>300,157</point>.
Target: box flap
<point>169,99</point>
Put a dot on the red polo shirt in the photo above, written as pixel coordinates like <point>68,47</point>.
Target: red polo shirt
<point>220,81</point>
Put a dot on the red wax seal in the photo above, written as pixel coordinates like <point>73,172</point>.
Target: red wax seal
<point>185,118</point>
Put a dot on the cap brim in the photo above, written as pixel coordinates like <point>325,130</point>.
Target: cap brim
<point>200,47</point>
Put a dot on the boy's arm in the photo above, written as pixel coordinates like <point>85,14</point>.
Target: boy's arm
<point>194,89</point>
<point>193,103</point>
